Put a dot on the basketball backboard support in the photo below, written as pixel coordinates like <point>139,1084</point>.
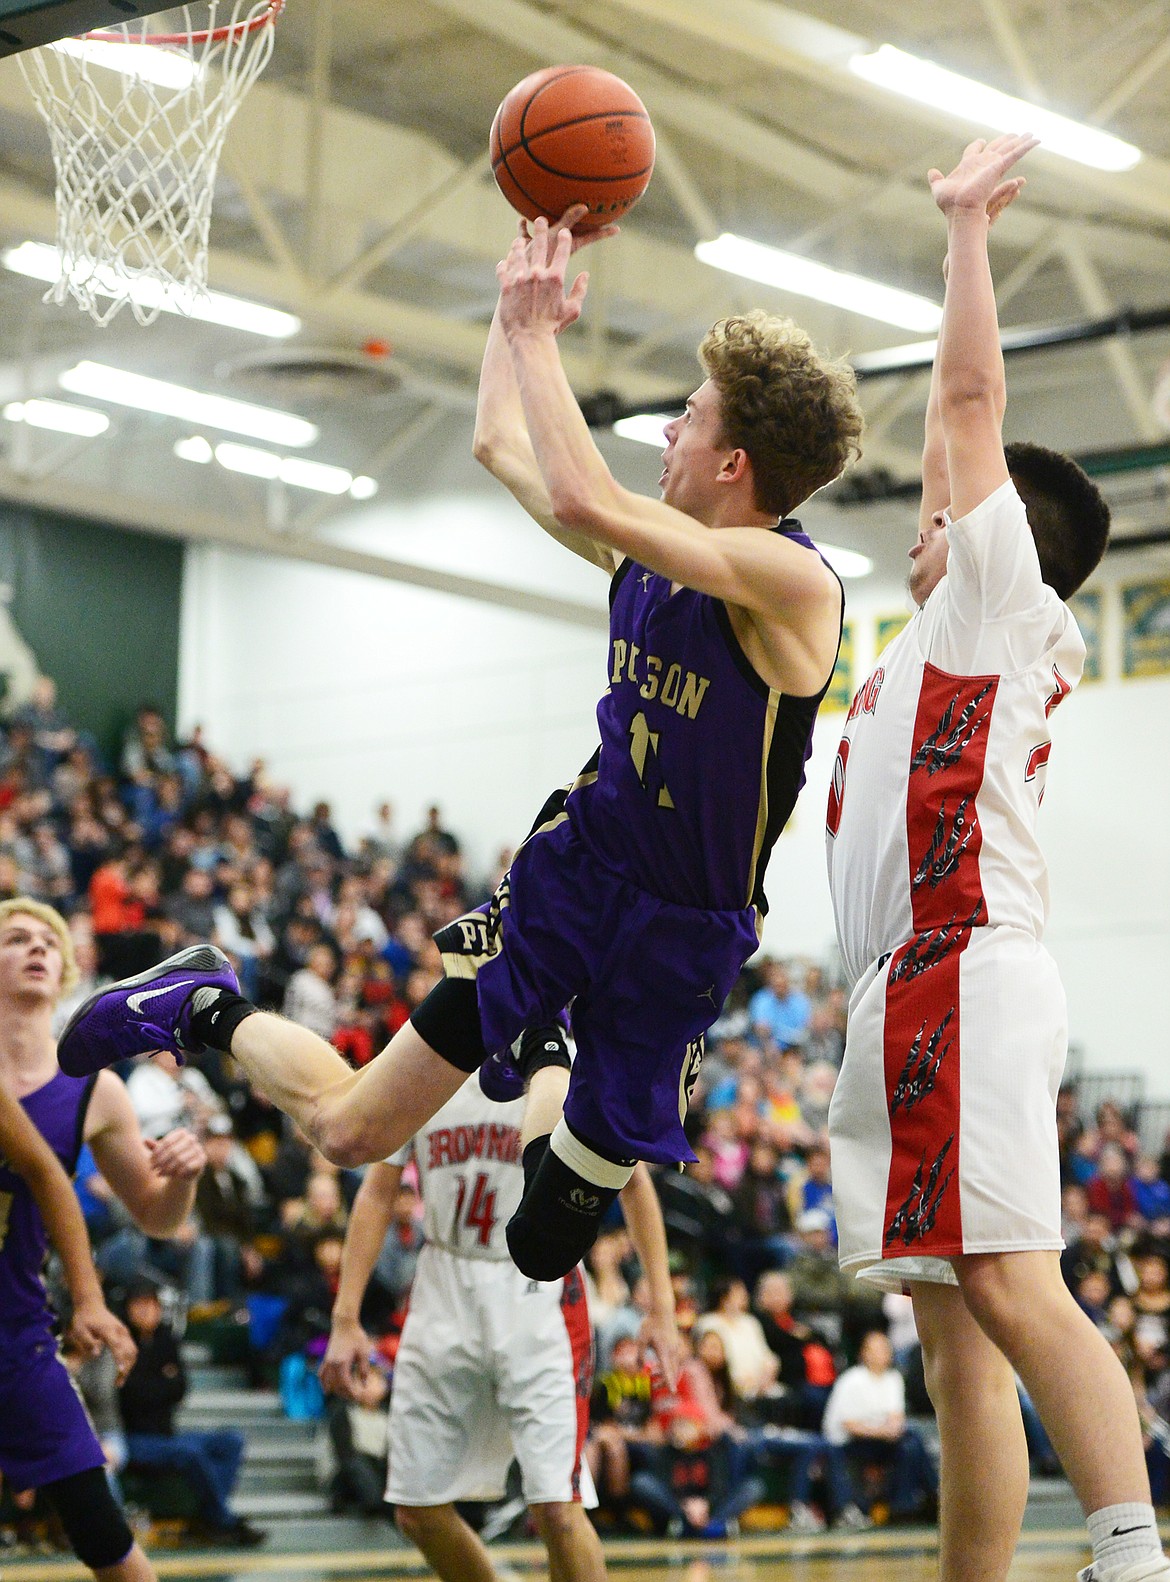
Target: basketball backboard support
<point>25,24</point>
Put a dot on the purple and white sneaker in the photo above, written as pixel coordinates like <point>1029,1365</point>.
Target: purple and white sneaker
<point>147,1012</point>
<point>501,1079</point>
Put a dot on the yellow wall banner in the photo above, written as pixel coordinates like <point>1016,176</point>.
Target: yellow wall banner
<point>840,693</point>
<point>1145,610</point>
<point>887,628</point>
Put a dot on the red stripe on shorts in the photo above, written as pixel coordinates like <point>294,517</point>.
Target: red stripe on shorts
<point>922,1013</point>
<point>575,1312</point>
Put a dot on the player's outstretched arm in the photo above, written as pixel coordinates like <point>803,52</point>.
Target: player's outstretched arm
<point>501,442</point>
<point>93,1325</point>
<point>773,579</point>
<point>347,1357</point>
<point>155,1180</point>
<point>970,363</point>
<point>936,483</point>
<point>643,1215</point>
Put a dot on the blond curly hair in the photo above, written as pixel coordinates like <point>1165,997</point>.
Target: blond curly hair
<point>27,907</point>
<point>793,411</point>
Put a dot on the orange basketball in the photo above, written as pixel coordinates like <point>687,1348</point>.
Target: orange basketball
<point>572,134</point>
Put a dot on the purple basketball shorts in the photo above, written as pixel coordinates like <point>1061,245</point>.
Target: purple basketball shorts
<point>646,979</point>
<point>45,1433</point>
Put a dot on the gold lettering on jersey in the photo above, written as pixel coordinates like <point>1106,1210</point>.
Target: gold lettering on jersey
<point>455,1145</point>
<point>5,1212</point>
<point>679,689</point>
<point>693,692</point>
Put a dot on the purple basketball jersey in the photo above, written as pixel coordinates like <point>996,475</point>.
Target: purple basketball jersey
<point>45,1434</point>
<point>57,1110</point>
<point>701,761</point>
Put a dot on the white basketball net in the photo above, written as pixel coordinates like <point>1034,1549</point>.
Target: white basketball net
<point>137,122</point>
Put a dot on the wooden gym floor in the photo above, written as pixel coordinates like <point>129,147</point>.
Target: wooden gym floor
<point>900,1555</point>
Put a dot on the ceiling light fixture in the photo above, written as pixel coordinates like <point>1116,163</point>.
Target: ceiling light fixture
<point>645,427</point>
<point>148,62</point>
<point>806,278</point>
<point>945,90</point>
<point>295,470</point>
<point>40,261</point>
<point>846,563</point>
<point>104,383</point>
<point>61,416</point>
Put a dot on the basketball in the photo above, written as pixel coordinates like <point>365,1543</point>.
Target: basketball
<point>572,134</point>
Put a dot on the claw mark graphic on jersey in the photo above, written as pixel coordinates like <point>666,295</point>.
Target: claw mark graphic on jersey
<point>915,1219</point>
<point>927,950</point>
<point>950,738</point>
<point>947,846</point>
<point>922,1066</point>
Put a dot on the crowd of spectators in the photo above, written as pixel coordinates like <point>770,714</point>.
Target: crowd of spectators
<point>802,1386</point>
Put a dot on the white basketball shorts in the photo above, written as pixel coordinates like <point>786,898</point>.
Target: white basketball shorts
<point>490,1365</point>
<point>943,1121</point>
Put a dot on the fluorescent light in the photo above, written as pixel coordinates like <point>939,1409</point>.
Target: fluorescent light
<point>363,488</point>
<point>194,449</point>
<point>149,62</point>
<point>62,416</point>
<point>974,101</point>
<point>846,562</point>
<point>257,463</point>
<point>791,272</point>
<point>104,383</point>
<point>40,261</point>
<point>246,458</point>
<point>317,475</point>
<point>645,427</point>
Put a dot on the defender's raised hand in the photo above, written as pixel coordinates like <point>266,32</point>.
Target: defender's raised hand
<point>977,181</point>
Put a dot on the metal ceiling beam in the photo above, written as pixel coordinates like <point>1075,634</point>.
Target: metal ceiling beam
<point>172,521</point>
<point>771,34</point>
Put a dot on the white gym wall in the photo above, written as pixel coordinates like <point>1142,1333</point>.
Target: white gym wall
<point>356,689</point>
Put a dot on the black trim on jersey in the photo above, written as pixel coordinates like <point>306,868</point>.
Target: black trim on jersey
<point>741,661</point>
<point>618,578</point>
<point>79,1133</point>
<point>794,721</point>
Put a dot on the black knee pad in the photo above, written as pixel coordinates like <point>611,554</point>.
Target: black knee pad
<point>98,1532</point>
<point>559,1216</point>
<point>448,1020</point>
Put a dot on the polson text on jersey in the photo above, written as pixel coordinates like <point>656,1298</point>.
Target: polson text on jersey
<point>677,689</point>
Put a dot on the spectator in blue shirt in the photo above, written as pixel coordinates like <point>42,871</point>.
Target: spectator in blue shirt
<point>779,1013</point>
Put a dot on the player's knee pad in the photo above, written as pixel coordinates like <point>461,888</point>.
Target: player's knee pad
<point>94,1523</point>
<point>568,1187</point>
<point>448,1020</point>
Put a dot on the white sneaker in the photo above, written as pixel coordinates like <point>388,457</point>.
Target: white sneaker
<point>853,1519</point>
<point>1155,1569</point>
<point>803,1519</point>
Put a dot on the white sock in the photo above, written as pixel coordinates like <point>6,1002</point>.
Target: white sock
<point>1123,1535</point>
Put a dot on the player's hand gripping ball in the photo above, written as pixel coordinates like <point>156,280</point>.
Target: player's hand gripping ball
<point>568,135</point>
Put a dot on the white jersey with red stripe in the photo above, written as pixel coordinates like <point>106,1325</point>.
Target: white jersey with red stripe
<point>942,1123</point>
<point>470,1174</point>
<point>491,1365</point>
<point>941,768</point>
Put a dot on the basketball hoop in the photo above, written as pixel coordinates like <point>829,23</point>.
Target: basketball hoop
<point>137,122</point>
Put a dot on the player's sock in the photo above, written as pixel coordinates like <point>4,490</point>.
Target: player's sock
<point>215,1015</point>
<point>538,1047</point>
<point>562,1207</point>
<point>1123,1536</point>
